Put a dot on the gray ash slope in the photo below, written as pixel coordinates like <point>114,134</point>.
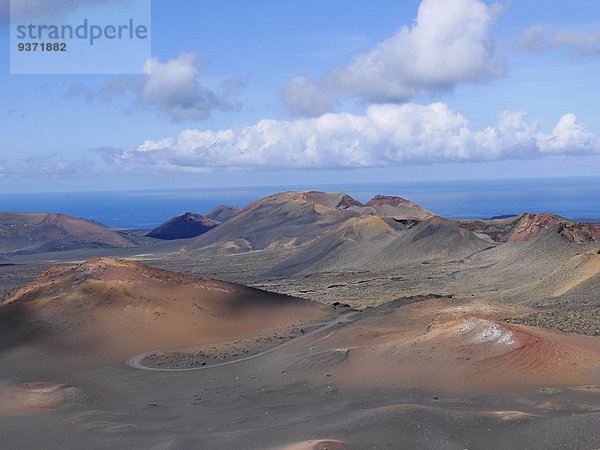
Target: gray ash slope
<point>328,246</point>
<point>334,232</point>
<point>223,213</point>
<point>382,244</point>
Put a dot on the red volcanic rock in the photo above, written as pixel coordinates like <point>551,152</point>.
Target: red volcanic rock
<point>530,226</point>
<point>398,207</point>
<point>348,201</point>
<point>380,200</point>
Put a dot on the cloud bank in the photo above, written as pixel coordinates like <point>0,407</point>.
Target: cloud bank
<point>49,166</point>
<point>386,135</point>
<point>449,43</point>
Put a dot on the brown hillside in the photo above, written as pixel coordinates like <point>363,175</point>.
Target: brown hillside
<point>114,308</point>
<point>25,231</point>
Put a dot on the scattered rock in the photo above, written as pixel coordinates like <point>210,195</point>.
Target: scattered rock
<point>573,320</point>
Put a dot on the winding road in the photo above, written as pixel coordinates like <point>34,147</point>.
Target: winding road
<point>136,361</point>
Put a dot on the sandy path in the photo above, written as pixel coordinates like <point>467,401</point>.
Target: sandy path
<point>136,361</point>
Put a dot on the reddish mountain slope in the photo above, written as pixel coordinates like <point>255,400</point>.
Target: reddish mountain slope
<point>452,345</point>
<point>389,206</point>
<point>45,231</point>
<point>111,309</point>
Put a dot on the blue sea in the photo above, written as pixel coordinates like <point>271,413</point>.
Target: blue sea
<point>575,198</point>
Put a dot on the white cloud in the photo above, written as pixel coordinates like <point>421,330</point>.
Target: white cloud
<point>449,43</point>
<point>172,88</point>
<point>387,135</point>
<point>569,136</point>
<point>579,44</point>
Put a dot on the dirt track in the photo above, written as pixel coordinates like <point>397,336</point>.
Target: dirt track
<point>136,361</point>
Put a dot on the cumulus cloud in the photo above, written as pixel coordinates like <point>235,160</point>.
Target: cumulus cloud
<point>449,43</point>
<point>578,44</point>
<point>386,135</point>
<point>568,135</point>
<point>172,88</point>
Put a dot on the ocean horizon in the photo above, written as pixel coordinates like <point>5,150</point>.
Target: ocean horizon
<point>572,197</point>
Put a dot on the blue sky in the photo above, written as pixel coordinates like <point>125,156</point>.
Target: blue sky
<point>274,92</point>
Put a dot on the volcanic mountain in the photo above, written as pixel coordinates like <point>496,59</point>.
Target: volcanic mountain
<point>282,220</point>
<point>389,206</point>
<point>111,309</point>
<point>382,244</point>
<point>527,227</point>
<point>323,232</point>
<point>291,219</point>
<point>574,273</point>
<point>187,225</point>
<point>32,232</point>
<point>223,213</point>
